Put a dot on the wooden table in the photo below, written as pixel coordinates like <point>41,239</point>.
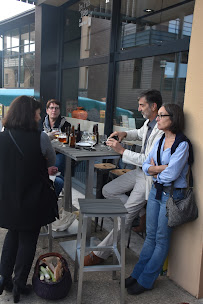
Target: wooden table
<point>78,155</point>
<point>101,152</point>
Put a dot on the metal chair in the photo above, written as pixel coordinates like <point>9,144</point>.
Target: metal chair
<point>100,208</point>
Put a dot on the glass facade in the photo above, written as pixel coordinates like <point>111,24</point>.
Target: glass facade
<point>87,27</point>
<point>19,57</point>
<point>150,23</point>
<point>150,51</point>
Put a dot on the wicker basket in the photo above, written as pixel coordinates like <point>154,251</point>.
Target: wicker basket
<point>52,290</point>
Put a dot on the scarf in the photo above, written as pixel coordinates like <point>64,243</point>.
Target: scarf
<point>180,137</point>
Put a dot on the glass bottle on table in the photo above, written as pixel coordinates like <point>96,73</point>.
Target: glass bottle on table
<point>68,131</point>
<point>78,134</point>
<point>72,138</point>
<point>97,133</point>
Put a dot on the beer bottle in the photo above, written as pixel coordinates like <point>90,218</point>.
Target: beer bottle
<point>97,132</point>
<point>67,130</point>
<point>78,134</point>
<point>72,138</point>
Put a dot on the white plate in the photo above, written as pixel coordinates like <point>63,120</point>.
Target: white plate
<point>83,144</point>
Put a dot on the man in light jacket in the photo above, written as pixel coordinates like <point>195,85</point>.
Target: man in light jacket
<point>135,180</point>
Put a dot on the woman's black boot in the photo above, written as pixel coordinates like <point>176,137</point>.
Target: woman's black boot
<point>16,293</point>
<point>6,283</point>
<point>2,284</point>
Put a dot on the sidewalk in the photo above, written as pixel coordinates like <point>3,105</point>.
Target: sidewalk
<point>99,288</point>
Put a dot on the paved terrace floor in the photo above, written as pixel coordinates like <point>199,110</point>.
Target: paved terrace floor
<point>98,287</point>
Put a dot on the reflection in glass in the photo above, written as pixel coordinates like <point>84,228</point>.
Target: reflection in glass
<point>32,33</point>
<point>7,40</point>
<point>24,38</point>
<point>166,73</point>
<point>87,29</point>
<point>86,87</point>
<point>15,38</point>
<point>27,71</point>
<point>11,72</point>
<point>140,28</point>
<point>15,51</point>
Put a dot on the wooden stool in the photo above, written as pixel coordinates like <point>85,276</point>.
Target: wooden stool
<point>100,208</point>
<point>102,178</point>
<point>117,172</point>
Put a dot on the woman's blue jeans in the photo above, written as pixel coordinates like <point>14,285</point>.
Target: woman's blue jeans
<point>60,163</point>
<point>58,184</point>
<point>156,245</point>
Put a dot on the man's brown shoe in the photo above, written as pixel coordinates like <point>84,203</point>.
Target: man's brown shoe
<point>91,259</point>
<point>142,225</point>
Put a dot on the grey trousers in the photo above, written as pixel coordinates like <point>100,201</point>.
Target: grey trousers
<point>133,180</point>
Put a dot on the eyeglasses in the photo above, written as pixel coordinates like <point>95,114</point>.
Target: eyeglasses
<point>54,108</point>
<point>160,116</point>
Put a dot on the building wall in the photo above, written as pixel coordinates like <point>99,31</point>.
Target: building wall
<point>186,254</point>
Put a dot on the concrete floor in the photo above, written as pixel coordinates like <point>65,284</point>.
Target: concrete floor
<point>98,287</point>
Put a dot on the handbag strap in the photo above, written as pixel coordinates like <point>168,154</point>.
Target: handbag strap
<point>15,143</point>
<point>190,181</point>
<point>190,177</point>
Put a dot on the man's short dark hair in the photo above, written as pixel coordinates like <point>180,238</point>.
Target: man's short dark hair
<point>53,101</point>
<point>176,117</point>
<point>152,96</point>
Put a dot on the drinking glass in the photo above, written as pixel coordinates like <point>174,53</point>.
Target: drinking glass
<point>93,140</point>
<point>62,137</point>
<point>85,136</point>
<point>55,132</point>
<point>103,139</point>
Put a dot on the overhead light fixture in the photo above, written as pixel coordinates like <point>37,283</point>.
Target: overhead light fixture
<point>148,10</point>
<point>107,1</point>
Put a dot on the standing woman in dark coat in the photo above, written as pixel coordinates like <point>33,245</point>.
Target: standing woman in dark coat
<point>22,210</point>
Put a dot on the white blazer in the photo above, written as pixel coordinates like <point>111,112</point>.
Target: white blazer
<point>137,159</point>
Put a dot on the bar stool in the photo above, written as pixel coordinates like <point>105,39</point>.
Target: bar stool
<point>102,171</point>
<point>117,172</point>
<point>100,208</point>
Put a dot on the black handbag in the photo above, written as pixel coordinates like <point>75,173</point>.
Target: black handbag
<point>52,290</point>
<point>183,210</point>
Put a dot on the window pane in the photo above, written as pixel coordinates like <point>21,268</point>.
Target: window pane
<point>15,38</point>
<point>27,70</point>
<point>15,51</point>
<point>80,89</point>
<point>11,69</point>
<point>141,28</point>
<point>166,73</point>
<point>87,29</point>
<point>24,35</point>
<point>32,33</point>
<point>32,47</point>
<point>7,40</point>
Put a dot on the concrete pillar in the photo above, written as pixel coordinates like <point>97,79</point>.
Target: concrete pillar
<point>186,253</point>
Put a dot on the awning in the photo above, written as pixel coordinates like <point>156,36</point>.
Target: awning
<point>8,95</point>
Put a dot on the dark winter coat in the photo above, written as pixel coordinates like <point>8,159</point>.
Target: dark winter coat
<point>22,206</point>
